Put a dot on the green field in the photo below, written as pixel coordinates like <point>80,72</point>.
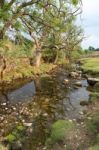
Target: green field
<point>90,65</point>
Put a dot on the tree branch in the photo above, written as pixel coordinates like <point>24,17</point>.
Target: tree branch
<point>23,5</point>
<point>10,4</point>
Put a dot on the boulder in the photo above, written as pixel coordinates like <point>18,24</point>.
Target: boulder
<point>92,81</point>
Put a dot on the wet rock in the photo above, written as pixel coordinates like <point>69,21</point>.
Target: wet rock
<point>44,148</point>
<point>14,108</point>
<point>76,87</point>
<point>68,109</point>
<point>75,74</point>
<point>27,124</point>
<point>1,119</point>
<point>81,113</point>
<point>45,114</point>
<point>6,108</point>
<point>66,81</point>
<point>84,103</point>
<point>3,104</point>
<point>23,121</point>
<point>92,81</point>
<point>78,83</point>
<point>89,118</point>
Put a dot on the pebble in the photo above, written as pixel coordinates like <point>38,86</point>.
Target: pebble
<point>66,81</point>
<point>45,114</point>
<point>68,109</point>
<point>27,124</point>
<point>44,148</point>
<point>23,121</point>
<point>89,118</point>
<point>1,118</point>
<point>14,108</point>
<point>70,120</point>
<point>3,104</point>
<point>81,113</point>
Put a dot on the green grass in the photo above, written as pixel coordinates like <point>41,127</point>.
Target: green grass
<point>93,127</point>
<point>91,65</point>
<point>18,62</point>
<point>96,147</point>
<point>25,70</point>
<point>16,134</point>
<point>60,131</point>
<point>93,124</point>
<point>94,97</point>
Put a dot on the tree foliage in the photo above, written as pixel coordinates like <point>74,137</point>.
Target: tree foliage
<point>49,23</point>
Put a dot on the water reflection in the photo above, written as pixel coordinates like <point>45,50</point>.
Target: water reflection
<point>23,94</point>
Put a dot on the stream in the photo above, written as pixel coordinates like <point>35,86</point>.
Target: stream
<point>54,101</point>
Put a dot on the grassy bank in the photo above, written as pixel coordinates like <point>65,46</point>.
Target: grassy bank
<point>90,65</point>
<point>18,60</point>
<point>18,70</point>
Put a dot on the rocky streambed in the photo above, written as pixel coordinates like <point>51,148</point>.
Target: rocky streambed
<point>35,109</point>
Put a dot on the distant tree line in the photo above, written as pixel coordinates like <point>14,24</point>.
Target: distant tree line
<point>91,48</point>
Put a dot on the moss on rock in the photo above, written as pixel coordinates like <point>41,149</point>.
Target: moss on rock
<point>61,130</point>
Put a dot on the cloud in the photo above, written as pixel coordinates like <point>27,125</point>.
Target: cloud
<point>90,7</point>
<point>90,22</point>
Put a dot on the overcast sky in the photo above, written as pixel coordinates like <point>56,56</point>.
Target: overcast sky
<point>90,23</point>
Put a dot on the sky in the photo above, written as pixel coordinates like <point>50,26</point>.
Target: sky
<point>90,23</point>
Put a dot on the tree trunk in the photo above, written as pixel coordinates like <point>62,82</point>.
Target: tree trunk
<point>3,67</point>
<point>38,53</point>
<point>37,83</point>
<point>1,35</point>
<point>56,58</point>
<point>38,58</point>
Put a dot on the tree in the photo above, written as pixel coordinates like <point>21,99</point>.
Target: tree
<point>41,19</point>
<point>91,48</point>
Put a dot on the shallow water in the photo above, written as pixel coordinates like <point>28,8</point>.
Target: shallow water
<point>54,101</point>
<point>73,99</point>
<point>23,94</point>
<point>80,94</point>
